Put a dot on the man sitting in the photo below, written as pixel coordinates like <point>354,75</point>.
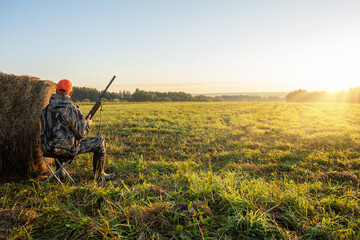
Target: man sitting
<point>64,129</point>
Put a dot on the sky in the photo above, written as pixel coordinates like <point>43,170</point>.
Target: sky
<point>196,46</point>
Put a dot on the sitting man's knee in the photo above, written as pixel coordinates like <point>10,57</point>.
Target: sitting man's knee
<point>102,147</point>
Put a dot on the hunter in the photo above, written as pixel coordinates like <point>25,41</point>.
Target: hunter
<point>64,130</point>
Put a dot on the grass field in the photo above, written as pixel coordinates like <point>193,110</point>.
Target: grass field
<point>204,171</point>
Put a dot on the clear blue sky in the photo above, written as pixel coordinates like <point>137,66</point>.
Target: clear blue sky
<point>197,46</point>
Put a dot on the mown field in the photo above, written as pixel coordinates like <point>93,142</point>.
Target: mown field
<point>204,171</point>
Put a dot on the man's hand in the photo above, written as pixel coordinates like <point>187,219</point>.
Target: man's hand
<point>88,121</point>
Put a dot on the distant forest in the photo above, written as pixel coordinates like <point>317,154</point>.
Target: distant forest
<point>350,96</point>
<point>84,94</point>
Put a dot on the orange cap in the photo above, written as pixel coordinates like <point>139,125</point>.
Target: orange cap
<point>64,87</point>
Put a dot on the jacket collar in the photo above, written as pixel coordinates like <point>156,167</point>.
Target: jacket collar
<point>59,98</point>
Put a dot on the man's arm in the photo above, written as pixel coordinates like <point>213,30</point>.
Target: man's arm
<point>78,124</point>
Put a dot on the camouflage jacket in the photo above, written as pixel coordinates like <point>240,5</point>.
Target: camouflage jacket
<point>62,127</point>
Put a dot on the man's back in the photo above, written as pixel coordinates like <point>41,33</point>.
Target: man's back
<point>62,126</point>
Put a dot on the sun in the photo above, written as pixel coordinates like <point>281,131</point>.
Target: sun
<point>335,86</point>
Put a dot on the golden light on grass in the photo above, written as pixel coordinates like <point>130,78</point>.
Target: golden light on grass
<point>212,170</point>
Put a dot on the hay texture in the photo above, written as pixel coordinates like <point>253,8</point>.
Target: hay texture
<point>22,99</point>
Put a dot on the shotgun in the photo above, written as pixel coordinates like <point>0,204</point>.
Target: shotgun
<point>98,102</point>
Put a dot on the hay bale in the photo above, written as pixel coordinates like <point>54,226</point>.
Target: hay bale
<point>22,99</point>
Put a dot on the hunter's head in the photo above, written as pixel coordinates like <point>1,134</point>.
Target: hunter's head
<point>64,87</point>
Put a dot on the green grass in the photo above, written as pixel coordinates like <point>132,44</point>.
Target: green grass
<point>204,171</point>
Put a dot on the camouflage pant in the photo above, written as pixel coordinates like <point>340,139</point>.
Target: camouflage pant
<point>94,144</point>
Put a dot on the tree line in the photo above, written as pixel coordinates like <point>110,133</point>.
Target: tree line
<point>350,96</point>
<point>85,94</point>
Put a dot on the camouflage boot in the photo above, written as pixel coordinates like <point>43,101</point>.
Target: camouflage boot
<point>99,165</point>
<point>61,174</point>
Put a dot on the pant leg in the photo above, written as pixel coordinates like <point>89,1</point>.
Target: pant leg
<point>94,144</point>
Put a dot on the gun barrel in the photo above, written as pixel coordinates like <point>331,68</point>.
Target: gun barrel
<point>98,102</point>
<point>103,93</point>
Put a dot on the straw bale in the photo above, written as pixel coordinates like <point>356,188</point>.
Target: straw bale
<point>22,99</point>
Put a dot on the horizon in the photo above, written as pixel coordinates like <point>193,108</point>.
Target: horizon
<point>195,47</point>
<point>254,93</point>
